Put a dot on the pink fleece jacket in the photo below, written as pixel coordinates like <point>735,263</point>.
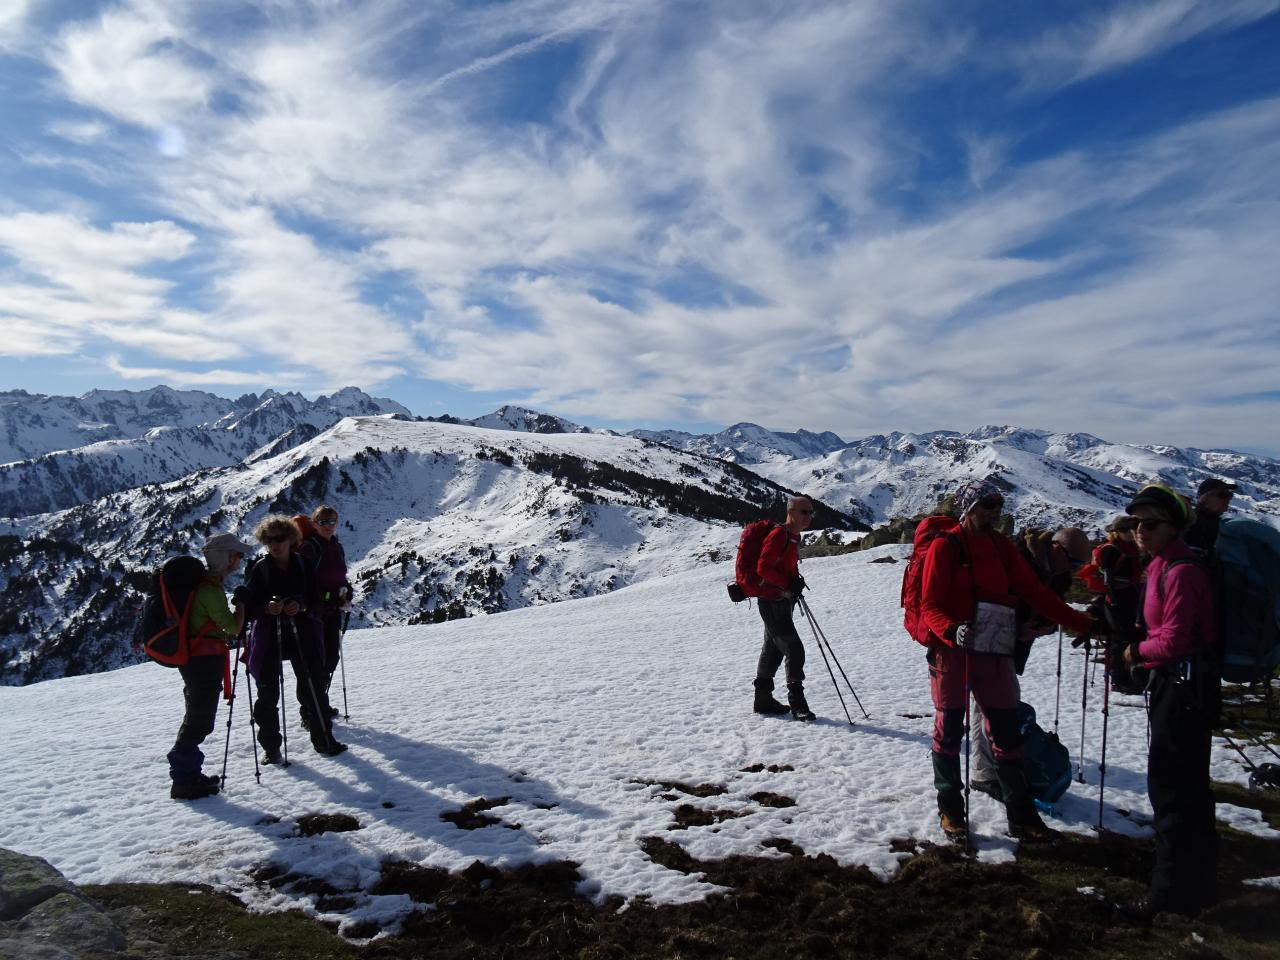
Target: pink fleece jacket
<point>1179,613</point>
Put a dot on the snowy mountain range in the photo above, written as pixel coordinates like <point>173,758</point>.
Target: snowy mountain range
<point>1049,479</point>
<point>76,450</point>
<point>445,518</point>
<point>439,521</point>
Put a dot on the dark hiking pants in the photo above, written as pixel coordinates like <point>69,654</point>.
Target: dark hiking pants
<point>1181,797</point>
<point>781,642</point>
<point>312,696</point>
<point>331,622</point>
<point>202,686</point>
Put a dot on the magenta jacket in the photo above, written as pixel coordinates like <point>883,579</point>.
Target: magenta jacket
<point>1179,613</point>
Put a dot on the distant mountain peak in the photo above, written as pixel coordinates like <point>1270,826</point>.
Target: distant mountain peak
<point>523,420</point>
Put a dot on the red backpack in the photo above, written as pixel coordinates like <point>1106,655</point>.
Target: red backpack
<point>928,530</point>
<point>746,581</point>
<point>162,631</point>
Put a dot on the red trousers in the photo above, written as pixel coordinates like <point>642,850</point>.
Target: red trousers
<point>994,686</point>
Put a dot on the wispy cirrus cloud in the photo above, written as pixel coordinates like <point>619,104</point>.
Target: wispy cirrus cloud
<point>822,214</point>
<point>1131,31</point>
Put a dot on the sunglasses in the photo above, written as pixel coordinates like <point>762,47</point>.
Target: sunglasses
<point>326,523</point>
<point>275,539</point>
<point>1220,494</point>
<point>1151,523</point>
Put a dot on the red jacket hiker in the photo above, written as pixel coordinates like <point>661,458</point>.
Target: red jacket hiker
<point>1001,575</point>
<point>779,563</point>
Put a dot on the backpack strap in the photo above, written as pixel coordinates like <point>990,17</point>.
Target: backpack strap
<point>1176,563</point>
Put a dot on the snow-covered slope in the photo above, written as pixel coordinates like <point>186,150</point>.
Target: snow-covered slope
<point>1050,479</point>
<point>585,716</point>
<point>439,521</point>
<point>177,444</point>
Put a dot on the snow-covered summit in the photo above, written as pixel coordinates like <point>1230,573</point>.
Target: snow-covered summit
<point>749,443</point>
<point>524,420</point>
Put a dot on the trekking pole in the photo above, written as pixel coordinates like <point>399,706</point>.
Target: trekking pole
<point>1106,715</point>
<point>284,726</point>
<point>1254,735</point>
<point>968,720</point>
<point>320,716</point>
<point>253,727</point>
<point>1057,695</point>
<point>342,664</point>
<point>1084,707</point>
<point>231,709</point>
<point>818,642</point>
<point>818,632</point>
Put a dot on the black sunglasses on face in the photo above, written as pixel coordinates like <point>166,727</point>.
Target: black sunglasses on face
<point>275,539</point>
<point>1151,523</point>
<point>326,523</point>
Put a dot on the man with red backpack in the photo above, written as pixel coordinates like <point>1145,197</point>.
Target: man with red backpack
<point>778,584</point>
<point>970,581</point>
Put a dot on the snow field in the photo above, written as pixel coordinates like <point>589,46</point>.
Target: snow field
<point>573,711</point>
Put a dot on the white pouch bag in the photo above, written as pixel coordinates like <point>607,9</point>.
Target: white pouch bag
<point>995,629</point>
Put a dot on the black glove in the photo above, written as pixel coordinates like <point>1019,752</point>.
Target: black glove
<point>796,585</point>
<point>965,634</point>
<point>240,595</point>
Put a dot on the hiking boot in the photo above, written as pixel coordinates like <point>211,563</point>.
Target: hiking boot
<point>990,787</point>
<point>305,720</point>
<point>954,826</point>
<point>210,779</point>
<point>271,758</point>
<point>1030,827</point>
<point>765,702</point>
<point>330,749</point>
<point>1143,910</point>
<point>192,789</point>
<point>1020,809</point>
<point>798,704</point>
<point>333,712</point>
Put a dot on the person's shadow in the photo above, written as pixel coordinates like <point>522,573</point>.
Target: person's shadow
<point>405,792</point>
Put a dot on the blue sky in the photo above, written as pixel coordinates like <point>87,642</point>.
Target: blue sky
<point>856,216</point>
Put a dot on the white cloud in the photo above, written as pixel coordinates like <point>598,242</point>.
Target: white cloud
<point>716,217</point>
<point>129,64</point>
<point>74,284</point>
<point>1131,32</point>
<point>203,378</point>
<point>84,131</point>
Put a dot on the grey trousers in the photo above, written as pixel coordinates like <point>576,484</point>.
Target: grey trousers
<point>781,642</point>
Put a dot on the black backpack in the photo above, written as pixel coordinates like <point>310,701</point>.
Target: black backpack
<point>162,631</point>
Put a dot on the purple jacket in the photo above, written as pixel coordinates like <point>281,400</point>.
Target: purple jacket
<point>1179,612</point>
<point>262,640</point>
<point>328,562</point>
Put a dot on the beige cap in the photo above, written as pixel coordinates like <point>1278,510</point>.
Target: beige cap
<point>228,543</point>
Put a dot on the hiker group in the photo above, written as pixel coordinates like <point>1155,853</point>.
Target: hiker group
<point>977,600</point>
<point>293,606</point>
<point>974,598</point>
